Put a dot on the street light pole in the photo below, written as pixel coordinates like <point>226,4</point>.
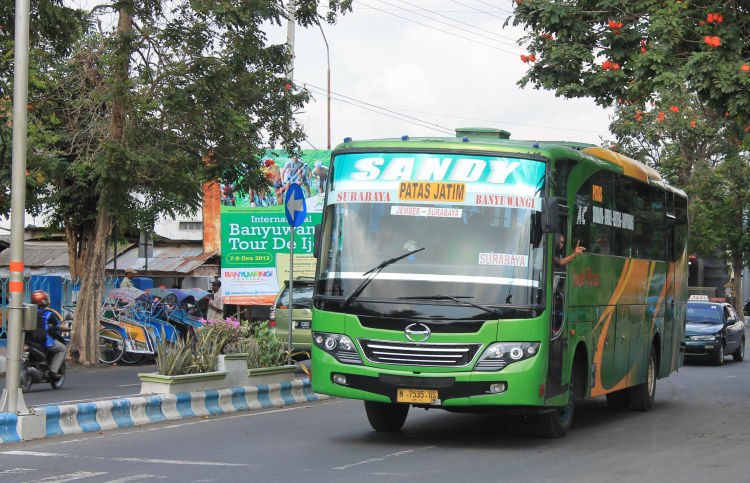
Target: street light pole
<point>12,398</point>
<point>328,60</point>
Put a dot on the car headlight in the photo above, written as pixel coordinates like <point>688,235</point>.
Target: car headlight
<point>339,346</point>
<point>500,354</point>
<point>710,338</point>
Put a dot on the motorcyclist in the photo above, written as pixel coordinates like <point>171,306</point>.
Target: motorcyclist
<point>53,342</point>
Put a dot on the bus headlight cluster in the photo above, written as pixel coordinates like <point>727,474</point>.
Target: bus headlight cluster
<point>339,346</point>
<point>500,354</point>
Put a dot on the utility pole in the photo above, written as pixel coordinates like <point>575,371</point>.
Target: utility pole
<point>12,398</point>
<point>328,61</point>
<point>290,39</point>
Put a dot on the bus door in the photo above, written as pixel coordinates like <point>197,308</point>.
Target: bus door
<point>558,346</point>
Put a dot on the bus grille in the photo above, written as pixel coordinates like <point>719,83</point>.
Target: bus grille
<point>413,354</point>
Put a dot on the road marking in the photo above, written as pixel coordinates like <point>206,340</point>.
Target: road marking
<point>31,453</point>
<point>129,385</point>
<point>79,475</point>
<point>383,458</point>
<point>135,478</point>
<point>16,471</point>
<point>177,462</point>
<point>136,460</point>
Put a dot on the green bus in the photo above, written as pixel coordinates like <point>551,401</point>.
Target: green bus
<point>446,278</point>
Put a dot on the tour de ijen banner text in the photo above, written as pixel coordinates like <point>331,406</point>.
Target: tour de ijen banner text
<point>255,232</point>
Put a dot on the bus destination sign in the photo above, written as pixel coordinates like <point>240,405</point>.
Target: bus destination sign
<point>437,191</point>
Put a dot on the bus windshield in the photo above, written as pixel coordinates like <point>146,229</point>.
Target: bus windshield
<point>472,216</point>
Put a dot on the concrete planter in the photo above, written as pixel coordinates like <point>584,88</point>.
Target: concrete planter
<point>271,375</point>
<point>153,383</point>
<point>235,365</point>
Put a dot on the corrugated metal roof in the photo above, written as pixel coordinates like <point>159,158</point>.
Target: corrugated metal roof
<point>170,258</point>
<point>40,254</point>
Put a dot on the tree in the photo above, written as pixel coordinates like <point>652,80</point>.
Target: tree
<point>138,118</point>
<point>53,32</point>
<point>641,51</point>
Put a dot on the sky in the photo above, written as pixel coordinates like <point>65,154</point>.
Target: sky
<point>425,67</point>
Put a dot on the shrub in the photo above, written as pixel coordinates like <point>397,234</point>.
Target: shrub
<point>265,349</point>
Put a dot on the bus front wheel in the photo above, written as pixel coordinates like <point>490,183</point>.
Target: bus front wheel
<point>384,417</point>
<point>556,423</point>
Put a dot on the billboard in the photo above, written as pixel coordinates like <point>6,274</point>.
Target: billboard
<point>255,233</point>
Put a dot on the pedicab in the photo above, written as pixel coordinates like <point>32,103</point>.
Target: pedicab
<point>186,315</point>
<point>151,309</point>
<point>121,337</point>
<point>202,298</point>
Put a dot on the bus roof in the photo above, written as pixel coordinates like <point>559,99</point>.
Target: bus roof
<point>494,140</point>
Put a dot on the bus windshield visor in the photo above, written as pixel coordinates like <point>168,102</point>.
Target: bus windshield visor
<point>474,217</point>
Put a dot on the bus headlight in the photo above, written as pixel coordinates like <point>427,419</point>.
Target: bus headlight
<point>500,354</point>
<point>339,346</point>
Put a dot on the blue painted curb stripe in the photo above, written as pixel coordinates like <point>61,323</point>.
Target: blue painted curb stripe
<point>86,417</point>
<point>212,402</point>
<point>263,396</point>
<point>9,428</point>
<point>238,399</point>
<point>153,409</point>
<point>121,413</point>
<point>52,417</point>
<point>184,406</point>
<point>286,393</point>
<point>308,392</point>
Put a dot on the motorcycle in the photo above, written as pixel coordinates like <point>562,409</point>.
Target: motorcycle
<point>35,367</point>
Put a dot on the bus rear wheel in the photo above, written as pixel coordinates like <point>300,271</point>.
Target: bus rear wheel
<point>386,418</point>
<point>642,396</point>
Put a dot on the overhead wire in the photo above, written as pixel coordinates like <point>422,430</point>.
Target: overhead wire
<point>482,11</point>
<point>346,99</point>
<point>504,42</point>
<point>441,30</point>
<point>382,110</point>
<point>494,6</point>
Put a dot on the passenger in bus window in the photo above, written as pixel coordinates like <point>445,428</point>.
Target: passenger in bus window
<point>560,259</point>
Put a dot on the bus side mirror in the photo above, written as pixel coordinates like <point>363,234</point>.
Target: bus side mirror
<point>551,215</point>
<point>316,241</point>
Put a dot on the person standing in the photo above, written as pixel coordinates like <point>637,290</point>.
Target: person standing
<point>216,305</point>
<point>127,282</point>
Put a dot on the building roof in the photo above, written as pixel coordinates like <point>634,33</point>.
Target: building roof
<point>40,254</point>
<point>179,259</point>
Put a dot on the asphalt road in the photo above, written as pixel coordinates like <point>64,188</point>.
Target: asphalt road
<point>99,382</point>
<point>698,431</point>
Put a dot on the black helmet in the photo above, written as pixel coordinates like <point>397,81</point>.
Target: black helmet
<point>40,298</point>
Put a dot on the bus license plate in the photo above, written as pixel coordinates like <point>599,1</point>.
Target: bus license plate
<point>302,324</point>
<point>427,396</point>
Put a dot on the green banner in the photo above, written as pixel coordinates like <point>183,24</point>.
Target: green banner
<point>255,235</point>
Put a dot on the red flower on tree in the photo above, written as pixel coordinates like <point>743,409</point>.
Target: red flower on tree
<point>693,123</point>
<point>712,41</point>
<point>674,109</point>
<point>745,68</point>
<point>660,117</point>
<point>715,17</point>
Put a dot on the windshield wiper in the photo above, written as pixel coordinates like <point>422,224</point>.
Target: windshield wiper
<point>374,271</point>
<point>457,300</point>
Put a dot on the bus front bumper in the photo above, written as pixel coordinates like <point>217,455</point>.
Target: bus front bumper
<point>503,388</point>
